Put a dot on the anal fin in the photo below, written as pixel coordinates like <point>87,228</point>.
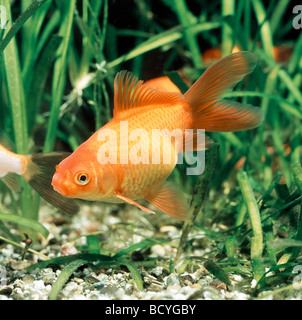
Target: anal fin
<point>134,203</point>
<point>11,181</point>
<point>169,199</point>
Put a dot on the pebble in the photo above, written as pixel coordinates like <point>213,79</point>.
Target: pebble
<point>68,249</point>
<point>170,230</point>
<point>99,285</point>
<point>171,280</point>
<point>212,294</point>
<point>28,279</point>
<point>237,278</point>
<point>39,284</point>
<point>253,283</point>
<point>155,287</point>
<point>158,250</point>
<point>20,265</point>
<point>157,271</point>
<point>78,280</point>
<point>6,291</point>
<point>187,282</point>
<point>174,288</point>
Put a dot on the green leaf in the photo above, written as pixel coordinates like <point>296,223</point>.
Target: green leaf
<point>265,30</point>
<point>285,243</point>
<point>88,257</point>
<point>59,74</point>
<point>17,102</point>
<point>136,275</point>
<point>140,245</point>
<point>35,5</point>
<point>63,278</point>
<point>178,81</point>
<point>217,272</point>
<point>93,244</point>
<point>162,39</point>
<point>25,222</point>
<point>43,67</point>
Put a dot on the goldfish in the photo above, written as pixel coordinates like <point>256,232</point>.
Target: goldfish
<point>281,53</point>
<point>100,168</point>
<point>163,84</point>
<point>37,170</point>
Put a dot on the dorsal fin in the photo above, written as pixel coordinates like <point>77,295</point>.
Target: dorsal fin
<point>129,92</point>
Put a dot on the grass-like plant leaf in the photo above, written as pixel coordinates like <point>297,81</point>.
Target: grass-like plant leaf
<point>75,261</point>
<point>35,5</point>
<point>25,222</point>
<point>63,278</point>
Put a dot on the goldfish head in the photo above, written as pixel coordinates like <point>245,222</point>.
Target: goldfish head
<point>79,176</point>
<point>73,181</point>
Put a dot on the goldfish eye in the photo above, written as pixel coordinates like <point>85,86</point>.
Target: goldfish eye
<point>82,179</point>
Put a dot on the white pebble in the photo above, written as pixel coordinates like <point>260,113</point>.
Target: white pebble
<point>253,283</point>
<point>39,285</point>
<point>157,271</point>
<point>171,280</point>
<point>68,249</point>
<point>158,250</point>
<point>237,278</point>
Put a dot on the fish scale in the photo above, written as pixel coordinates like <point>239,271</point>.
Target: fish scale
<point>136,179</point>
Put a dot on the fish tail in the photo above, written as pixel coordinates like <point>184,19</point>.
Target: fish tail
<point>39,171</point>
<point>209,111</point>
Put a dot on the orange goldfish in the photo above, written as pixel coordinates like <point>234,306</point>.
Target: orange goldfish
<point>163,84</point>
<point>101,168</point>
<point>37,170</point>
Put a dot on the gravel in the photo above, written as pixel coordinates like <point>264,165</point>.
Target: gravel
<point>118,228</point>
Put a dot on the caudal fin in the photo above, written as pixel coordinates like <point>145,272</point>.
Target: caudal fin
<point>209,111</point>
<point>39,173</point>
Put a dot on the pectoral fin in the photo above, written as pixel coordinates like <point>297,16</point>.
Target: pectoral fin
<point>169,199</point>
<point>134,203</point>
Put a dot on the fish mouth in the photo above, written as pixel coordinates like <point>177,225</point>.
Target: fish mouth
<point>59,190</point>
<point>59,187</point>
